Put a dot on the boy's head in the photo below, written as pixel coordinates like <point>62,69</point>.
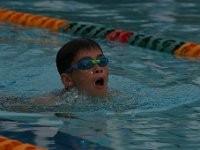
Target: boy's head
<point>81,63</point>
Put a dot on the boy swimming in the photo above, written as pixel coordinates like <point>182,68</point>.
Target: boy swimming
<point>82,64</point>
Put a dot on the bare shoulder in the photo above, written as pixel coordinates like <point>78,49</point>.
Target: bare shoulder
<point>48,99</point>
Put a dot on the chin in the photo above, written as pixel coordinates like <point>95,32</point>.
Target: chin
<point>98,93</point>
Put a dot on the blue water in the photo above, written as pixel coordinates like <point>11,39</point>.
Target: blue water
<point>154,103</point>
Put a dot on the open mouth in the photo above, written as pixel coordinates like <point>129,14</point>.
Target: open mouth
<point>99,82</point>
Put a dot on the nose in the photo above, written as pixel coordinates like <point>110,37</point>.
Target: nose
<point>97,69</point>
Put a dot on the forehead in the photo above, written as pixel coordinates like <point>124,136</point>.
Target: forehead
<point>93,53</point>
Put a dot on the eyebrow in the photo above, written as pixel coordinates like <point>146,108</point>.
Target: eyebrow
<point>99,55</point>
<point>90,57</point>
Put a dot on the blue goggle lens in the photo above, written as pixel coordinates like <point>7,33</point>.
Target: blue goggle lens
<point>85,63</point>
<point>103,61</point>
<point>88,63</point>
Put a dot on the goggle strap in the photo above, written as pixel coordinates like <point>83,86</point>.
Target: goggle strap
<point>73,68</point>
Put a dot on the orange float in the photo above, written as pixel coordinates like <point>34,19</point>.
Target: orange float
<point>31,20</point>
<point>8,144</point>
<point>188,49</point>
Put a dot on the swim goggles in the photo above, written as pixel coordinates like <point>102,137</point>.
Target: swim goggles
<point>88,63</point>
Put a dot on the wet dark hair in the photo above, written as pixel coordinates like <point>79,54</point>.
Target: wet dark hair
<point>67,53</point>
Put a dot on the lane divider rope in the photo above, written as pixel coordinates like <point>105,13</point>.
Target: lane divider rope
<point>178,47</point>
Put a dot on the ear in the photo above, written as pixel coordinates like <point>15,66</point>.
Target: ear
<point>66,80</point>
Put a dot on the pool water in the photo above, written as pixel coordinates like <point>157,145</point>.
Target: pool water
<point>154,97</point>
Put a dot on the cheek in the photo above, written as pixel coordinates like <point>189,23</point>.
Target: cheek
<point>82,78</point>
<point>106,71</point>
